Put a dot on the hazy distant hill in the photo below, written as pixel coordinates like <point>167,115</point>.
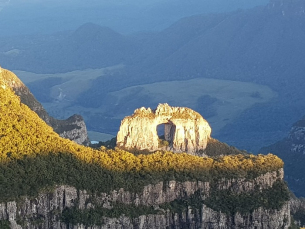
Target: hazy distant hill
<point>263,45</point>
<point>90,46</point>
<point>36,17</point>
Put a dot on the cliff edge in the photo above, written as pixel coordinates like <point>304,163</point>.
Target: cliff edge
<point>50,182</point>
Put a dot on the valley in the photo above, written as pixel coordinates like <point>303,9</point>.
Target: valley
<point>219,101</point>
<point>147,83</point>
<point>258,46</point>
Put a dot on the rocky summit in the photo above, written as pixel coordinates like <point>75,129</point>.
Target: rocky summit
<point>184,130</point>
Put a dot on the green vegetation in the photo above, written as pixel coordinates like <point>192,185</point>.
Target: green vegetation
<point>162,143</point>
<point>293,224</point>
<point>194,201</point>
<point>110,170</point>
<point>230,202</point>
<point>93,216</point>
<point>34,158</point>
<point>5,224</point>
<point>294,164</point>
<point>225,201</point>
<point>216,148</point>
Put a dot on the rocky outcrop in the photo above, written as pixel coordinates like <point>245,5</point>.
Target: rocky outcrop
<point>73,128</point>
<point>46,210</point>
<point>297,207</point>
<point>184,129</point>
<point>292,151</point>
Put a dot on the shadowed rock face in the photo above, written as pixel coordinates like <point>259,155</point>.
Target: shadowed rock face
<point>73,128</point>
<point>45,211</point>
<point>184,129</point>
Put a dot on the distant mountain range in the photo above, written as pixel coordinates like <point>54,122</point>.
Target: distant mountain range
<point>36,17</point>
<point>263,45</point>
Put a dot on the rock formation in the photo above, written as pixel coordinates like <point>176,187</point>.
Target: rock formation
<point>292,150</point>
<point>73,186</point>
<point>46,210</point>
<point>73,128</point>
<point>184,129</point>
<point>297,210</point>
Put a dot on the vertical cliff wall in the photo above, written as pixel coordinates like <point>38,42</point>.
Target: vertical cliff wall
<point>169,204</point>
<point>184,129</point>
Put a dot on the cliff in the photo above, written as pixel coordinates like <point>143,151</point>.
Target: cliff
<point>162,205</point>
<point>73,128</point>
<point>292,150</point>
<point>297,207</point>
<point>184,130</point>
<point>50,182</point>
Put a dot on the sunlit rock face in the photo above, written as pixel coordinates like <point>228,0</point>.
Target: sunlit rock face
<point>184,129</point>
<point>73,128</point>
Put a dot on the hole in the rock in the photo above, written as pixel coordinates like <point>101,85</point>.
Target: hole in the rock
<point>166,134</point>
<point>160,131</point>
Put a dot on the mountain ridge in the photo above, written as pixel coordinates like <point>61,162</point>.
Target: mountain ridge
<point>39,168</point>
<point>73,128</point>
<point>263,46</point>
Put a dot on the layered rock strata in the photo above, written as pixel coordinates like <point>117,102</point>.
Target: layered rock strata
<point>184,129</point>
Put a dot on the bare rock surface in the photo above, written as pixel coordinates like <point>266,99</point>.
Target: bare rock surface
<point>45,210</point>
<point>184,129</point>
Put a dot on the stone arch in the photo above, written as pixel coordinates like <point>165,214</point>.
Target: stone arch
<point>184,128</point>
<point>161,130</point>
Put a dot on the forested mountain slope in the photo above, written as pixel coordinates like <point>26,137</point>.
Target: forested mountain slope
<point>73,128</point>
<point>76,183</point>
